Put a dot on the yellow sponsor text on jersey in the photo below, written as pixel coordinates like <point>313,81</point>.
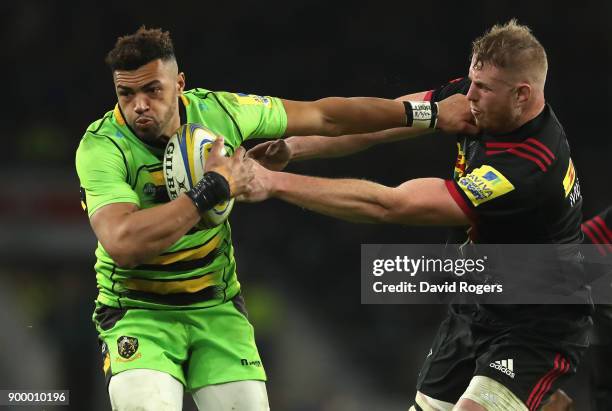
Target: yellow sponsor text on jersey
<point>252,99</point>
<point>106,365</point>
<point>483,184</point>
<point>460,163</point>
<point>569,179</point>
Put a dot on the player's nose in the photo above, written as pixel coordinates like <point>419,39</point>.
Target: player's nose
<point>472,93</point>
<point>141,105</point>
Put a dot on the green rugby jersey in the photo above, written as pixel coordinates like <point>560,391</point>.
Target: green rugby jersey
<point>114,165</point>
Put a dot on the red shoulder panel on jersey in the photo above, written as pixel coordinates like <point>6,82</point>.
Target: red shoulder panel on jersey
<point>428,95</point>
<point>535,151</point>
<point>528,157</point>
<point>531,150</point>
<point>542,146</point>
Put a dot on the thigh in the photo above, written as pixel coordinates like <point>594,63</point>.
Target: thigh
<point>222,344</point>
<point>233,396</point>
<point>450,363</point>
<point>145,390</point>
<point>531,368</point>
<point>138,338</point>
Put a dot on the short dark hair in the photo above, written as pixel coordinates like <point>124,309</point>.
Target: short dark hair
<point>135,50</point>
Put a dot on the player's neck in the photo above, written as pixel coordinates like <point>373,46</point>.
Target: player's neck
<point>533,110</point>
<point>173,125</point>
<point>530,112</point>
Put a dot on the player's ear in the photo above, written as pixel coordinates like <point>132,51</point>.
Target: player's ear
<point>523,92</point>
<point>180,82</point>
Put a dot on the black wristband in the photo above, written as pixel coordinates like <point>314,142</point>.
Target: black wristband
<point>421,114</point>
<point>434,115</point>
<point>211,190</point>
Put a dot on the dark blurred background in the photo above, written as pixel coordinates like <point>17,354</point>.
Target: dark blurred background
<point>323,350</point>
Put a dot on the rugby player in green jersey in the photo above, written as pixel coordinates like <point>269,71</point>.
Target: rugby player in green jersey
<point>169,312</point>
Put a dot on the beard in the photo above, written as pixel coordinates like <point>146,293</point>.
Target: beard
<point>149,133</point>
<point>155,132</point>
<point>496,123</point>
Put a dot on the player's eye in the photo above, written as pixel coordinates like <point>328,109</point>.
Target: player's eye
<point>154,90</point>
<point>125,93</point>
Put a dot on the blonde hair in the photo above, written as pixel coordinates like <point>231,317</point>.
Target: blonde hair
<point>513,47</point>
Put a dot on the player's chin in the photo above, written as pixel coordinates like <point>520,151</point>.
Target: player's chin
<point>482,123</point>
<point>148,132</point>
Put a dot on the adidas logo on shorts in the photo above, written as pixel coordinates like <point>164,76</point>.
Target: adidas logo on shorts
<point>505,366</point>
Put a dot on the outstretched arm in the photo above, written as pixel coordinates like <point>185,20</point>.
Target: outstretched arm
<point>335,116</point>
<point>423,201</point>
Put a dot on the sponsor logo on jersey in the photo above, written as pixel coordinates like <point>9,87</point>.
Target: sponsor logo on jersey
<point>255,363</point>
<point>460,162</point>
<point>505,366</point>
<point>252,99</point>
<point>127,347</point>
<point>149,189</point>
<point>569,179</point>
<point>483,184</point>
<point>105,358</point>
<point>575,195</point>
<point>83,199</point>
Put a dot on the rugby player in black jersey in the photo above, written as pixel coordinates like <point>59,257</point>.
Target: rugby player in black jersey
<point>514,182</point>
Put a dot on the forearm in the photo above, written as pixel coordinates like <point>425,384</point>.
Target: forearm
<point>145,234</point>
<point>336,116</point>
<point>361,114</point>
<point>311,147</point>
<point>422,201</point>
<point>357,201</point>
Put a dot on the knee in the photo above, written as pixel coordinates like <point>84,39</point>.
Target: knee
<point>427,403</point>
<point>145,390</point>
<point>238,395</point>
<point>468,405</point>
<point>486,394</point>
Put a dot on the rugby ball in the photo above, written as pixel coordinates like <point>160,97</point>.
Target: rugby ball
<point>184,160</point>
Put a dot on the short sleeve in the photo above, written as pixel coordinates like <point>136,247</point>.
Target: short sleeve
<point>501,187</point>
<point>103,174</point>
<point>256,116</point>
<point>458,86</point>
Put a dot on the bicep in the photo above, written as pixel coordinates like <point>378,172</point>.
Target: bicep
<point>303,118</point>
<point>425,201</point>
<point>108,220</point>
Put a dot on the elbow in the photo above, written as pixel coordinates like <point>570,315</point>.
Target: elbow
<point>122,257</point>
<point>331,127</point>
<point>121,250</point>
<point>125,261</point>
<point>388,216</point>
<point>408,213</point>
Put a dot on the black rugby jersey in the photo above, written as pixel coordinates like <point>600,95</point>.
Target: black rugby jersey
<point>519,187</point>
